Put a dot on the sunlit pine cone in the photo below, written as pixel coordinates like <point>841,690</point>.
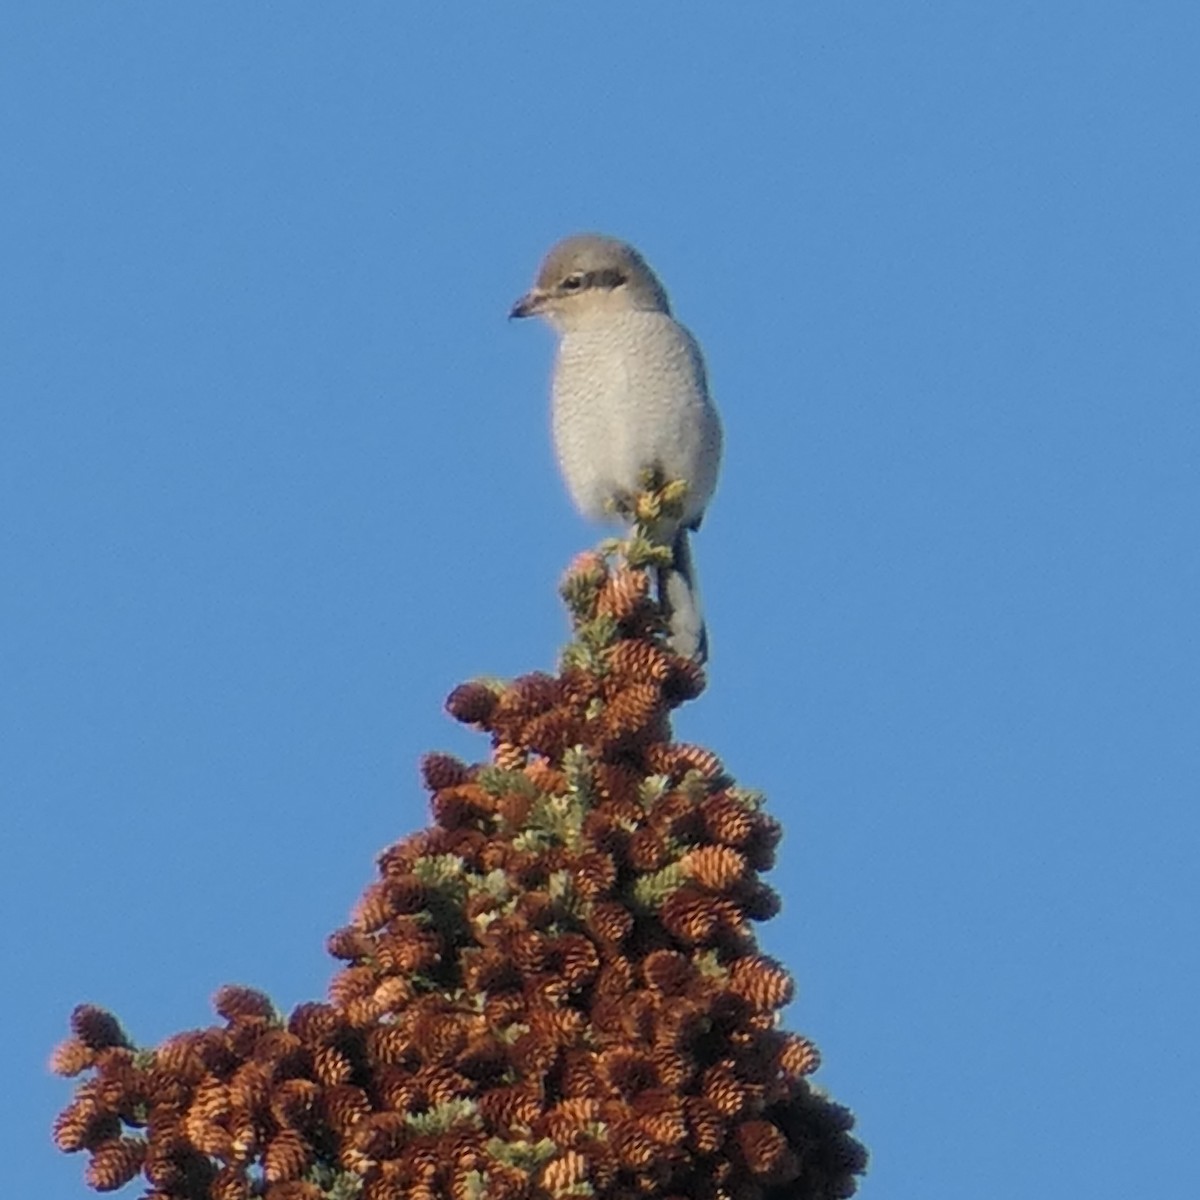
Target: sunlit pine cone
<point>216,1052</point>
<point>406,894</point>
<point>580,687</point>
<point>287,1156</point>
<point>211,1100</point>
<point>208,1135</point>
<point>714,868</point>
<point>230,1183</point>
<point>674,1069</point>
<point>562,1176</point>
<point>71,1057</point>
<point>427,1188</point>
<point>179,1169</point>
<point>463,1154</point>
<point>677,815</point>
<point>580,1082</point>
<point>350,944</point>
<point>609,922</point>
<point>424,1162</point>
<point>180,1057</point>
<point>635,1149</point>
<point>647,850</point>
<point>279,1053</point>
<point>398,859</point>
<point>293,1189</point>
<point>408,952</point>
<point>394,1089</point>
<point>661,1115</point>
<point>543,989</point>
<point>626,1069</point>
<point>317,1024</point>
<point>668,972</point>
<point>352,983</point>
<point>707,1128</point>
<point>388,1045</point>
<point>620,783</point>
<point>575,958</point>
<point>569,1120</point>
<point>382,1135</point>
<point>462,807</point>
<point>762,981</point>
<point>561,1026</point>
<point>441,1037</point>
<point>233,1000</point>
<point>699,920</point>
<point>331,1066</point>
<point>439,1085</point>
<point>727,821</point>
<point>394,993</point>
<point>343,1106</point>
<point>529,695</point>
<point>362,1012</point>
<point>632,713</point>
<point>552,733</point>
<point>509,757</point>
<point>82,1124</point>
<point>115,1163</point>
<point>624,592</point>
<point>506,1108</point>
<point>545,777</point>
<point>636,661</point>
<point>117,1079</point>
<point>724,1091</point>
<point>379,1186</point>
<point>677,759</point>
<point>595,874</point>
<point>293,1101</point>
<point>798,1056</point>
<point>373,910</point>
<point>588,562</point>
<point>763,1147</point>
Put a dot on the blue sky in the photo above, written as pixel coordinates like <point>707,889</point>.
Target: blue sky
<point>275,475</point>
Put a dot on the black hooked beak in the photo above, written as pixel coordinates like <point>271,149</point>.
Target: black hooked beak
<point>528,305</point>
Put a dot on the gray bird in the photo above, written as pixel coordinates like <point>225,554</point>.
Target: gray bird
<point>629,395</point>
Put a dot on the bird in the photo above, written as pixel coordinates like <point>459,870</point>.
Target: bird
<point>629,401</point>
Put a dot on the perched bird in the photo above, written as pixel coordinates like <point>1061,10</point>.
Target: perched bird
<point>629,396</point>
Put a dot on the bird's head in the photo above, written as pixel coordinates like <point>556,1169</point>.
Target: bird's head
<point>588,276</point>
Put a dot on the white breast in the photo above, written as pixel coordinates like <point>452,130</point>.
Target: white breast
<point>631,394</point>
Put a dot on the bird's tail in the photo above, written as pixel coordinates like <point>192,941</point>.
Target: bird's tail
<point>679,595</point>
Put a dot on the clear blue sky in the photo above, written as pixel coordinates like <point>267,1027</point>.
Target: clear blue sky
<point>275,475</point>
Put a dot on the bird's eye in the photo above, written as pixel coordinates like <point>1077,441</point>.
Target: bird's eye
<point>573,283</point>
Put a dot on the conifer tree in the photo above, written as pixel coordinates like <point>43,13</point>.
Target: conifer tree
<point>553,990</point>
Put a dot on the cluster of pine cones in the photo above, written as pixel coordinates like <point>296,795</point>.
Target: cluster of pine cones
<point>554,990</point>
